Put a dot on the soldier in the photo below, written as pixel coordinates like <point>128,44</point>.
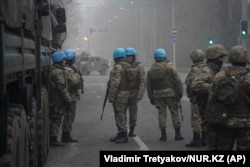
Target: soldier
<point>165,89</point>
<point>201,86</point>
<point>137,87</point>
<point>118,94</point>
<point>59,96</point>
<point>197,57</point>
<point>74,83</point>
<point>228,103</point>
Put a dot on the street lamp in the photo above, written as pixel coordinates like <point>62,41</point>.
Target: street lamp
<point>86,39</point>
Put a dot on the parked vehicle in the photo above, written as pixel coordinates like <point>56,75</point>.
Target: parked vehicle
<point>87,64</point>
<point>28,29</point>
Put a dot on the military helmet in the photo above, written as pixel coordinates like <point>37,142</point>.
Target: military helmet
<point>160,53</point>
<point>58,57</point>
<point>215,52</point>
<point>70,54</point>
<point>130,52</point>
<point>197,55</point>
<point>238,54</point>
<point>119,53</point>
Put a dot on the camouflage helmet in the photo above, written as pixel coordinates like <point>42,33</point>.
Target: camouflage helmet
<point>238,54</point>
<point>197,55</point>
<point>215,52</point>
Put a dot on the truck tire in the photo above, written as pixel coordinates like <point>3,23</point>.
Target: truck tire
<point>43,128</point>
<point>40,136</point>
<point>45,122</point>
<point>17,150</point>
<point>33,135</point>
<point>103,70</point>
<point>84,71</point>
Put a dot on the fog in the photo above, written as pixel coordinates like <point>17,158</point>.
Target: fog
<point>147,24</point>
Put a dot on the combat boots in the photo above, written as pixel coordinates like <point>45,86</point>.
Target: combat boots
<point>163,135</point>
<point>178,135</point>
<point>203,138</point>
<point>118,135</point>
<point>54,142</point>
<point>131,132</point>
<point>67,138</point>
<point>196,142</point>
<point>123,138</point>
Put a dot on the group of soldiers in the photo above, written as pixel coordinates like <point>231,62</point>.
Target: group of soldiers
<point>220,99</point>
<point>220,103</point>
<point>127,84</point>
<point>64,83</point>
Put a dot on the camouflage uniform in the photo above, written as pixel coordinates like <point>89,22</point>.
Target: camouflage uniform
<point>165,89</point>
<point>59,97</point>
<point>118,94</point>
<point>237,126</point>
<point>201,86</point>
<point>136,92</point>
<point>74,80</point>
<point>197,57</point>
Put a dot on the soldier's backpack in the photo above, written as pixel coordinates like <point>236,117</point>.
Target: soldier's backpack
<point>229,87</point>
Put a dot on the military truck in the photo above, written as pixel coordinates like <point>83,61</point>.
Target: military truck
<point>87,64</point>
<point>28,31</point>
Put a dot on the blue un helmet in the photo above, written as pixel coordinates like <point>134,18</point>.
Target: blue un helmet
<point>119,53</point>
<point>130,52</point>
<point>160,53</point>
<point>70,54</point>
<point>58,57</point>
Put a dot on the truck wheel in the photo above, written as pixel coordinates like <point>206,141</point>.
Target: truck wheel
<point>45,123</point>
<point>103,70</point>
<point>85,71</point>
<point>33,134</point>
<point>17,150</point>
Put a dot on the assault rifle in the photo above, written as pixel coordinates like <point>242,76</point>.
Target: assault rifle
<point>105,101</point>
<point>179,104</point>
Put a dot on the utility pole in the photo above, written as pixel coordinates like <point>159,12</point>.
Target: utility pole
<point>173,28</point>
<point>244,17</point>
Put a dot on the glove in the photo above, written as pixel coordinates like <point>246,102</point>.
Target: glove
<point>68,104</point>
<point>152,101</point>
<point>139,97</point>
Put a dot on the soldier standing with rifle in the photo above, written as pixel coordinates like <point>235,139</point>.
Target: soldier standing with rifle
<point>75,82</point>
<point>118,94</point>
<point>137,87</point>
<point>165,89</point>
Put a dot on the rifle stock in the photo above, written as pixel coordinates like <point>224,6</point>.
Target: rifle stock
<point>179,103</point>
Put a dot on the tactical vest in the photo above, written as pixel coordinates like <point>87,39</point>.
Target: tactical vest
<point>160,79</point>
<point>133,76</point>
<point>124,84</point>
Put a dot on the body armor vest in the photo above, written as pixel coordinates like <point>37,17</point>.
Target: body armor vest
<point>124,78</point>
<point>161,80</point>
<point>133,76</point>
